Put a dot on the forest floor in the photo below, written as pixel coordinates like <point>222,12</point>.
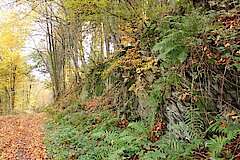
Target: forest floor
<point>21,137</point>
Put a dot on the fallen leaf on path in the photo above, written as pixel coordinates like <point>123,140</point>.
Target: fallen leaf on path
<point>21,137</point>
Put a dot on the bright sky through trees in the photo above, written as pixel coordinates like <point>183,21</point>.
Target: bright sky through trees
<point>27,15</point>
<point>19,39</point>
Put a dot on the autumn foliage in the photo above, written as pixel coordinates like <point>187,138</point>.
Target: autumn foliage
<point>141,80</point>
<point>21,137</point>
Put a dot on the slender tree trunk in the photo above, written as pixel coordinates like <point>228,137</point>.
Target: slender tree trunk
<point>55,65</point>
<point>12,87</point>
<point>106,39</point>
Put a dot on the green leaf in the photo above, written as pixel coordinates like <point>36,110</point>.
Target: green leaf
<point>150,120</point>
<point>237,66</point>
<point>157,47</point>
<point>154,155</point>
<point>138,127</point>
<point>164,54</point>
<point>161,56</point>
<point>160,154</point>
<point>182,56</point>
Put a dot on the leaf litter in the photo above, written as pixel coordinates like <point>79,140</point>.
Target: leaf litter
<point>21,137</point>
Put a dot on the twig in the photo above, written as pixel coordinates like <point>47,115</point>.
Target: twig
<point>221,98</point>
<point>194,152</point>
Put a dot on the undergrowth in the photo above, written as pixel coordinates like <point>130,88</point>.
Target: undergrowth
<point>75,134</point>
<point>185,82</point>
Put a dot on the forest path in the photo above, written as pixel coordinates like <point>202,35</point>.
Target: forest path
<point>21,137</point>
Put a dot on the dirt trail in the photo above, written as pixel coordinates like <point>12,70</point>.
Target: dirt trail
<point>21,137</point>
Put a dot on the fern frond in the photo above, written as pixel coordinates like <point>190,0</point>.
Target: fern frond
<point>216,144</point>
<point>138,128</point>
<point>194,122</point>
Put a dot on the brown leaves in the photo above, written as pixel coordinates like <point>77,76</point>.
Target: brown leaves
<point>221,44</point>
<point>123,123</point>
<point>200,153</point>
<point>157,129</point>
<point>223,124</point>
<point>96,104</point>
<point>233,148</point>
<point>21,137</point>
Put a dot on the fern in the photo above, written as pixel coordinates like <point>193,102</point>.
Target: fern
<point>171,48</point>
<point>150,122</point>
<point>194,122</point>
<point>231,129</point>
<point>177,33</point>
<point>153,155</point>
<point>138,127</point>
<point>223,134</point>
<point>216,145</point>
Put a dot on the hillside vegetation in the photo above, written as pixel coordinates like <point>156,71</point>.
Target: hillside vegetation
<point>169,90</point>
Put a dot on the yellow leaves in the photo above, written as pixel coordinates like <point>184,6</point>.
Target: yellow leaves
<point>134,63</point>
<point>132,87</point>
<point>111,68</point>
<point>90,10</point>
<point>138,86</point>
<point>233,115</point>
<point>238,53</point>
<point>12,37</point>
<point>13,68</point>
<point>12,33</point>
<point>15,60</point>
<point>127,40</point>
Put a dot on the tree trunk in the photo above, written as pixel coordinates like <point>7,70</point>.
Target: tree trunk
<point>12,88</point>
